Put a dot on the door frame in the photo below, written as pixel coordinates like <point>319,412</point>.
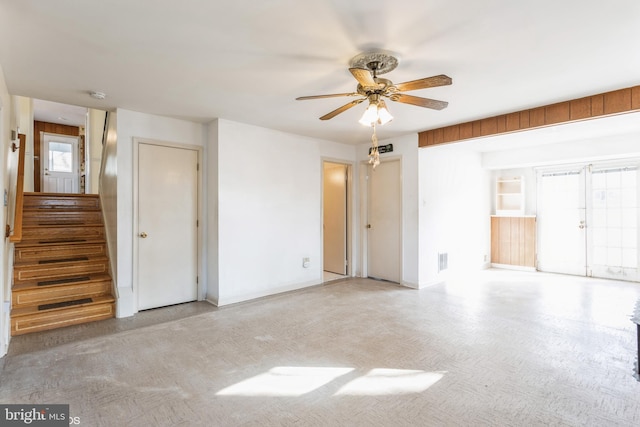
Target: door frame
<point>364,217</point>
<point>201,283</point>
<point>350,209</point>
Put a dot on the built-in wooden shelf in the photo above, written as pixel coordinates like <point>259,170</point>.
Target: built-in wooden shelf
<point>510,196</point>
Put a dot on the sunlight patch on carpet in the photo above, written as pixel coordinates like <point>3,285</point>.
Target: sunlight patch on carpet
<point>379,382</point>
<point>285,381</point>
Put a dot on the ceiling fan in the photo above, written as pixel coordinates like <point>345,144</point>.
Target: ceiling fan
<point>365,68</point>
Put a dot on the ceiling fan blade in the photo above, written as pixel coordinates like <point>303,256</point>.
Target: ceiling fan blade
<point>420,102</point>
<point>363,76</point>
<point>425,83</point>
<point>334,95</point>
<point>341,109</point>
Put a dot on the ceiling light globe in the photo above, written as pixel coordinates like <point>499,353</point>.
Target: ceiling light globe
<point>384,116</point>
<point>370,115</point>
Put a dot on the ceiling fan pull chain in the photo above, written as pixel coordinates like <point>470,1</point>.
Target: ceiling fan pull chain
<point>374,155</point>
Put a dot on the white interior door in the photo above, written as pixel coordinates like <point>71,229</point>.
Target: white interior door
<point>561,222</point>
<point>335,218</point>
<point>167,225</point>
<point>60,164</point>
<point>384,247</point>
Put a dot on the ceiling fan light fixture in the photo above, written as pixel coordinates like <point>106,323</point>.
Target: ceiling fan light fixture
<point>376,113</point>
<point>365,68</point>
<point>370,115</point>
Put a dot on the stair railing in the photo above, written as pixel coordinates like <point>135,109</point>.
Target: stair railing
<point>14,228</point>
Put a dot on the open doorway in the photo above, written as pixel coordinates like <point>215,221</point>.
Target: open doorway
<point>335,214</point>
<point>39,118</point>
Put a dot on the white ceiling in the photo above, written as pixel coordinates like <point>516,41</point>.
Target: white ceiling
<point>247,61</point>
<point>54,112</point>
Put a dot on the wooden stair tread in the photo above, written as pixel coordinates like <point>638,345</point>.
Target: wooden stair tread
<point>53,242</point>
<point>33,284</point>
<point>52,251</point>
<point>61,234</point>
<point>65,260</point>
<point>43,194</point>
<point>53,319</point>
<point>59,209</point>
<point>26,311</point>
<point>63,225</point>
<point>39,296</point>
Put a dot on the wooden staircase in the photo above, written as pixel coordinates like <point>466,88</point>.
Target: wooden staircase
<point>61,266</point>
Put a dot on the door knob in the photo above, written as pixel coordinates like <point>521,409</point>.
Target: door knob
<point>368,225</point>
<point>143,235</point>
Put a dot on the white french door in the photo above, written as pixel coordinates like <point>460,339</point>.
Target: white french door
<point>588,220</point>
<point>561,221</point>
<point>613,222</point>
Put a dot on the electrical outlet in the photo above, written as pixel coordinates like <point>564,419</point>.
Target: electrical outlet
<point>306,262</point>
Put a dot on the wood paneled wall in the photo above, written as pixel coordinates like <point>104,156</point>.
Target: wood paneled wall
<point>49,128</point>
<point>604,104</point>
<point>513,240</point>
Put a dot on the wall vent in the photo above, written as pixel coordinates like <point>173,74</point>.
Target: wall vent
<point>443,261</point>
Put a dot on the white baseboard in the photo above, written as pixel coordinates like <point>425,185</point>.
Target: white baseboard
<point>410,285</point>
<point>431,283</point>
<point>513,267</point>
<point>234,299</point>
<point>212,301</point>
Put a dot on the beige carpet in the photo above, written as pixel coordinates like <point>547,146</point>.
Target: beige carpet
<point>501,349</point>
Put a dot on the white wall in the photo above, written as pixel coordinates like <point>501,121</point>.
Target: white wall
<point>406,149</point>
<point>95,129</point>
<point>585,150</point>
<point>455,208</point>
<point>606,138</point>
<point>130,125</point>
<point>269,210</point>
<point>5,277</point>
<point>24,111</point>
<point>211,173</point>
<point>108,190</point>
